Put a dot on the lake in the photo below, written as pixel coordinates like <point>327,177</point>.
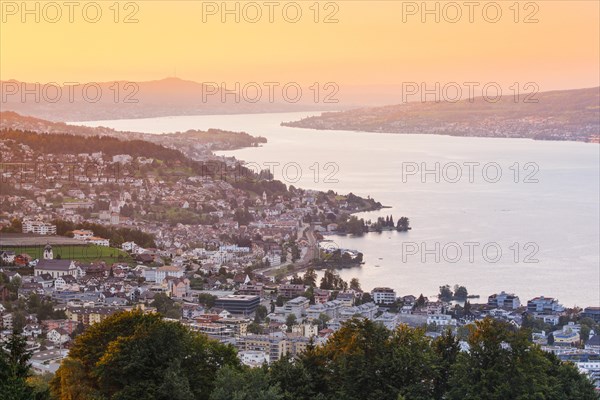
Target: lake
<point>491,214</point>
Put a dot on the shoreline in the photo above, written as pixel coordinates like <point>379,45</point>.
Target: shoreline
<point>291,125</point>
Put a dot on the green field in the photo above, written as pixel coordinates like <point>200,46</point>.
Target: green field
<point>84,253</point>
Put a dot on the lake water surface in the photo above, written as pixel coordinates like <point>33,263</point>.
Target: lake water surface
<point>501,214</point>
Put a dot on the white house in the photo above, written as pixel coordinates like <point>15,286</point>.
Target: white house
<point>383,295</point>
<point>66,282</point>
<point>98,241</point>
<point>253,358</point>
<point>297,306</point>
<point>58,336</point>
<point>82,234</point>
<point>39,227</point>
<point>7,256</point>
<point>130,247</point>
<point>441,320</point>
<point>32,330</point>
<point>168,270</point>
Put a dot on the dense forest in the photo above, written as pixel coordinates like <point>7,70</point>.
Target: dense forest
<point>132,355</point>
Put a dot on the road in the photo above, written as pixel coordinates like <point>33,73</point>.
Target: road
<point>309,255</point>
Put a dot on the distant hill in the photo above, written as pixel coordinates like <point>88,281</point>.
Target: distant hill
<point>126,100</point>
<point>193,143</point>
<point>558,115</point>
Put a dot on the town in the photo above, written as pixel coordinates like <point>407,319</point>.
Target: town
<point>108,227</point>
<point>263,318</point>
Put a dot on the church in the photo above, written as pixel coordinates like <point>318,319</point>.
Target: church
<point>56,268</point>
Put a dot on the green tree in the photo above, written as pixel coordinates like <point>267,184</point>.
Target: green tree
<point>303,378</point>
<point>40,384</point>
<point>460,292</point>
<point>132,355</point>
<point>279,301</point>
<point>403,224</point>
<point>503,364</point>
<point>331,280</point>
<point>420,301</point>
<point>14,369</point>
<point>167,306</point>
<point>260,314</point>
<point>290,321</point>
<point>445,293</point>
<point>255,328</point>
<point>310,277</point>
<point>355,285</point>
<point>245,384</point>
<point>207,299</point>
<point>322,320</point>
<point>446,348</point>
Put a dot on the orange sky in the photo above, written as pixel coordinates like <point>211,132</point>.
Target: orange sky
<point>370,43</point>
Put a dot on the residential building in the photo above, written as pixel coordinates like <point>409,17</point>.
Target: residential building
<point>98,241</point>
<point>504,300</point>
<point>306,330</point>
<point>177,287</point>
<point>290,291</point>
<point>275,346</point>
<point>441,320</point>
<point>251,289</point>
<point>58,336</point>
<point>66,282</point>
<point>168,270</point>
<point>544,305</point>
<point>38,227</point>
<point>238,304</point>
<point>130,247</point>
<point>7,256</point>
<point>565,337</point>
<point>82,234</point>
<point>89,315</point>
<point>383,295</point>
<point>592,312</point>
<point>253,358</point>
<point>389,320</point>
<point>296,306</point>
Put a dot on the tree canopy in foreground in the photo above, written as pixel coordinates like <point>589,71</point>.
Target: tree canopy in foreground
<point>139,356</point>
<point>132,355</point>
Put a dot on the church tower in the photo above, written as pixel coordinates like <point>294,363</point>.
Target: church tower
<point>48,255</point>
